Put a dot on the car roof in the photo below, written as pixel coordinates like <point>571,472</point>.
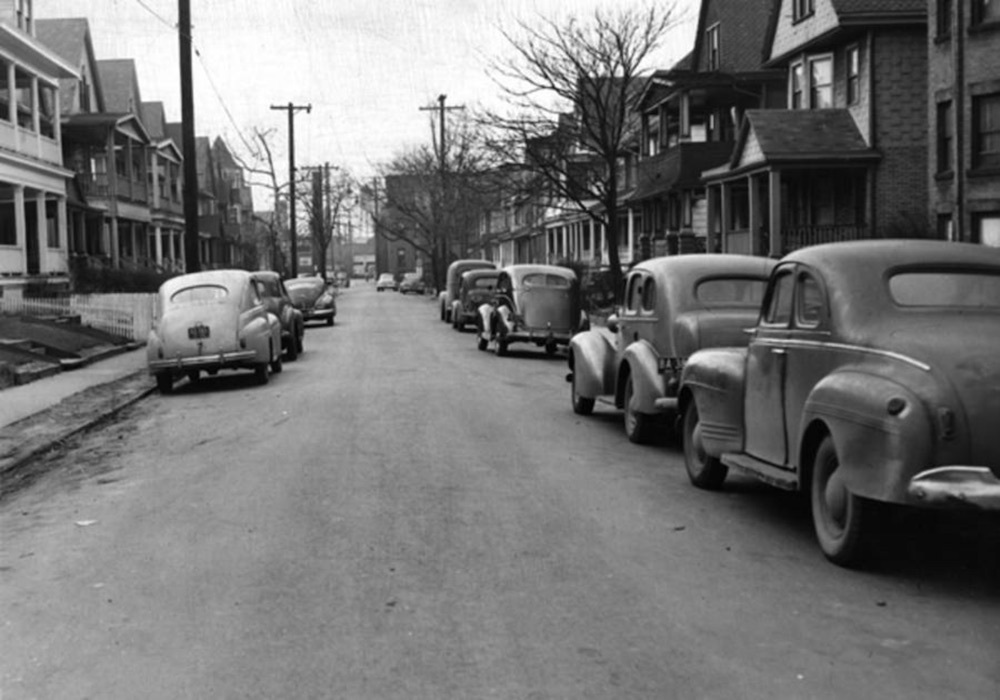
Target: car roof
<point>483,264</point>
<point>695,265</point>
<point>231,279</point>
<point>473,274</point>
<point>520,270</point>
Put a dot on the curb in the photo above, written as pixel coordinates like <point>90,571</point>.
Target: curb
<point>35,435</point>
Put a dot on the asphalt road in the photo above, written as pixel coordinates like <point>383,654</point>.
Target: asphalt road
<point>398,515</point>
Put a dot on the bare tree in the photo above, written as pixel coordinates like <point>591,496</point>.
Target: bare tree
<point>325,193</point>
<point>259,167</point>
<point>571,88</point>
<point>433,208</point>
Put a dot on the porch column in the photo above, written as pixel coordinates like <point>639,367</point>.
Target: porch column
<point>724,194</point>
<point>116,260</point>
<point>182,250</point>
<point>753,192</point>
<point>590,233</point>
<point>604,242</point>
<point>41,232</point>
<point>56,121</point>
<point>631,234</point>
<point>774,201</point>
<point>20,225</point>
<point>11,90</point>
<point>565,241</point>
<point>36,112</point>
<point>158,233</point>
<point>712,205</point>
<point>62,222</point>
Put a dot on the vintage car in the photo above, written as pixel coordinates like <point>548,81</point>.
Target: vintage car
<point>673,306</point>
<point>279,303</point>
<point>474,289</point>
<point>871,377</point>
<point>452,277</point>
<point>537,304</point>
<point>386,281</point>
<point>412,283</point>
<point>213,320</point>
<point>314,297</point>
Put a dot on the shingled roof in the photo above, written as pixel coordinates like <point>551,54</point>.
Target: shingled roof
<point>70,39</point>
<point>121,85</point>
<point>743,27</point>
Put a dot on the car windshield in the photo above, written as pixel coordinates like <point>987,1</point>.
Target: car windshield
<point>269,287</point>
<point>948,288</point>
<point>731,291</point>
<point>200,294</point>
<point>539,279</point>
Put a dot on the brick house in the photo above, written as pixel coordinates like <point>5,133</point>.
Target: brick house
<point>690,117</point>
<point>33,181</point>
<point>964,111</point>
<point>847,158</point>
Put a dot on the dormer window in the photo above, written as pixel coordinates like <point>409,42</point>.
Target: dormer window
<point>802,9</point>
<point>712,42</point>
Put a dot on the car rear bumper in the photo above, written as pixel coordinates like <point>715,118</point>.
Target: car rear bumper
<point>955,486</point>
<point>223,360</point>
<point>541,337</point>
<point>313,314</point>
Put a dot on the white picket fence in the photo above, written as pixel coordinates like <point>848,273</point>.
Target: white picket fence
<point>127,315</point>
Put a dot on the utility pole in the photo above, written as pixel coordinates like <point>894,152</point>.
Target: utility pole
<point>292,109</point>
<point>442,153</point>
<point>192,262</point>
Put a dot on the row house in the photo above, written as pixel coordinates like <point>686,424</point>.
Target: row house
<point>964,111</point>
<point>33,181</point>
<point>846,158</point>
<point>166,192</point>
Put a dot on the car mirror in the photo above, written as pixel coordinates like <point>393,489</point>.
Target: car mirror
<point>612,323</point>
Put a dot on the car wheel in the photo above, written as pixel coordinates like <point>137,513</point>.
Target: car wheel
<point>637,425</point>
<point>329,321</point>
<point>292,351</point>
<point>300,345</point>
<point>502,347</point>
<point>482,344</point>
<point>551,348</point>
<point>262,372</point>
<point>703,471</point>
<point>194,375</point>
<point>442,312</point>
<point>581,405</point>
<point>840,518</point>
<point>276,365</point>
<point>164,382</point>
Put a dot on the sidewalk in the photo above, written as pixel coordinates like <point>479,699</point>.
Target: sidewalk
<point>38,415</point>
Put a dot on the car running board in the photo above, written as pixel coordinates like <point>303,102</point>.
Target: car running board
<point>765,471</point>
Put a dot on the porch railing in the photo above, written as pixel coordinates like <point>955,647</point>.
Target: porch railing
<point>797,237</point>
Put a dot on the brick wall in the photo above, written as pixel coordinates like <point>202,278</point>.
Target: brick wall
<point>899,91</point>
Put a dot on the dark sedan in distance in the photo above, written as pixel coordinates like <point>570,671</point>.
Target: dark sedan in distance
<point>314,297</point>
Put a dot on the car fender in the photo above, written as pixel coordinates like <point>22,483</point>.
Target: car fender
<point>882,430</point>
<point>443,302</point>
<point>456,309</point>
<point>592,362</point>
<point>640,361</point>
<point>503,320</point>
<point>484,316</point>
<point>715,379</point>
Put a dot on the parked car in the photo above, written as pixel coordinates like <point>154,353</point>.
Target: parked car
<point>385,281</point>
<point>452,278</point>
<point>871,377</point>
<point>279,303</point>
<point>412,283</point>
<point>672,307</point>
<point>213,320</point>
<point>475,288</point>
<point>314,297</point>
<point>537,304</point>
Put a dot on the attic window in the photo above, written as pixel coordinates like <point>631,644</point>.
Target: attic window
<point>712,42</point>
<point>802,9</point>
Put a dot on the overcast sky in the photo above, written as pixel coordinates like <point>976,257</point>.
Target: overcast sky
<point>365,66</point>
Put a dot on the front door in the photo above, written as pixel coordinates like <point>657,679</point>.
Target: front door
<point>32,252</point>
<point>764,400</point>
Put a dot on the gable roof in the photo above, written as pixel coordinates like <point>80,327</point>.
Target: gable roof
<point>152,116</point>
<point>70,39</point>
<point>743,28</point>
<point>121,85</point>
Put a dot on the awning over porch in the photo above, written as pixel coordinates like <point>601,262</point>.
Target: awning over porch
<point>813,137</point>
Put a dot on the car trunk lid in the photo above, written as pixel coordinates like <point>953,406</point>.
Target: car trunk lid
<point>199,329</point>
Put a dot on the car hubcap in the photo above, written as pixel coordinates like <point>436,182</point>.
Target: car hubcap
<point>835,498</point>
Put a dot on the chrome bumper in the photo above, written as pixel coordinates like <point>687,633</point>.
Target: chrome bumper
<point>977,487</point>
<point>223,359</point>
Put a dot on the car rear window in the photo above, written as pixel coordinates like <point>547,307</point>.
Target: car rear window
<point>948,288</point>
<point>731,291</point>
<point>543,280</point>
<point>484,282</point>
<point>199,294</point>
<point>303,284</point>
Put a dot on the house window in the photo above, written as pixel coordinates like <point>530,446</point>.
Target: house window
<point>801,9</point>
<point>944,13</point>
<point>853,75</point>
<point>24,15</point>
<point>945,136</point>
<point>798,74</point>
<point>986,131</point>
<point>47,110</point>
<point>984,11</point>
<point>24,94</point>
<point>51,225</point>
<point>987,228</point>
<point>8,223</point>
<point>821,83</point>
<point>712,40</point>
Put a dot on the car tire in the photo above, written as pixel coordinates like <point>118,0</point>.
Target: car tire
<point>276,364</point>
<point>292,351</point>
<point>638,426</point>
<point>193,375</point>
<point>582,406</point>
<point>262,372</point>
<point>300,343</point>
<point>703,471</point>
<point>842,520</point>
<point>502,347</point>
<point>164,382</point>
<point>482,343</point>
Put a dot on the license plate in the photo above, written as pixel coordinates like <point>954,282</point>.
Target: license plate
<point>197,332</point>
